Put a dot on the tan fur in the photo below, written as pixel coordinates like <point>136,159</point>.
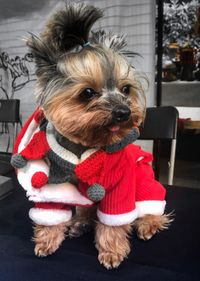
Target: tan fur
<point>113,244</point>
<point>78,69</point>
<point>48,238</point>
<point>149,225</point>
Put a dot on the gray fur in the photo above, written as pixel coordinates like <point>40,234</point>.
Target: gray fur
<point>46,67</point>
<point>112,41</point>
<point>67,29</point>
<point>45,58</point>
<point>70,27</point>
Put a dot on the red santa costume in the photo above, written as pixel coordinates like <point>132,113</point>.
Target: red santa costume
<point>121,182</point>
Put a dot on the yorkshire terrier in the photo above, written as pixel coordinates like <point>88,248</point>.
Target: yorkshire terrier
<point>77,149</point>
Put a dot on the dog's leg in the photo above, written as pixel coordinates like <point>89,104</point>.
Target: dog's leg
<point>112,243</point>
<point>48,238</point>
<point>149,225</point>
<point>82,222</point>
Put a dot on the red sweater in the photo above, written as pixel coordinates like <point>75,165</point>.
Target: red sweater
<point>126,175</point>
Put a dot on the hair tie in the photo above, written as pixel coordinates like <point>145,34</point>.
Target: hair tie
<point>86,44</point>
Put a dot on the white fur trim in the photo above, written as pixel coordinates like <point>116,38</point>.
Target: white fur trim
<point>49,217</point>
<point>152,207</point>
<point>30,131</point>
<point>120,219</point>
<point>60,193</point>
<point>61,151</point>
<point>25,174</point>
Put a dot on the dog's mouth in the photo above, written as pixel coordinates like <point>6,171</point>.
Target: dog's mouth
<point>114,128</point>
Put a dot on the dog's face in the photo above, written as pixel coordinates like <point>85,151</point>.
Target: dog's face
<point>100,103</point>
<point>94,96</point>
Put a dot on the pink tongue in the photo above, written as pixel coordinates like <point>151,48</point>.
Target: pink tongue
<point>114,129</point>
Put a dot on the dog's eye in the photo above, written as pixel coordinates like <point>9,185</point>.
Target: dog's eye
<point>126,89</point>
<point>88,94</point>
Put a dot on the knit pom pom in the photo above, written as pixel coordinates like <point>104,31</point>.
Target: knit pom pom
<point>18,161</point>
<point>96,192</point>
<point>39,179</point>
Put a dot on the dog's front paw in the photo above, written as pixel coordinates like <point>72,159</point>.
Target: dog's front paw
<point>145,232</point>
<point>110,260</point>
<point>43,249</point>
<point>48,238</point>
<point>112,243</point>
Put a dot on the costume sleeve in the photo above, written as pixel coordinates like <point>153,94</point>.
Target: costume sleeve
<point>49,213</point>
<point>118,205</point>
<point>150,194</point>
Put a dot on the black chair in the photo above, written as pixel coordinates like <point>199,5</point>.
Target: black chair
<point>9,114</point>
<point>161,124</point>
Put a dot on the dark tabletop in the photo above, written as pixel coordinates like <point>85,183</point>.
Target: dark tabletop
<point>171,255</point>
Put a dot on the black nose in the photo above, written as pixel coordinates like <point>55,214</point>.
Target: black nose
<point>121,113</point>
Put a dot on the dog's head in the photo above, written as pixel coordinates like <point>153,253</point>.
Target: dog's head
<point>85,85</point>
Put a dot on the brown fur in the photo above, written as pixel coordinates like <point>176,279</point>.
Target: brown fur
<point>113,244</point>
<point>149,225</point>
<point>48,238</point>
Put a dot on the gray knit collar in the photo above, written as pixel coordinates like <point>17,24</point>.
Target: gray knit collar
<point>79,149</point>
<point>76,148</point>
<point>130,138</point>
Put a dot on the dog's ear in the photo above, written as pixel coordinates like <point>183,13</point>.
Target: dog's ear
<point>46,67</point>
<point>45,58</point>
<point>112,41</point>
<point>70,27</point>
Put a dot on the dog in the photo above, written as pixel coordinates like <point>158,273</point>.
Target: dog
<point>76,149</point>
